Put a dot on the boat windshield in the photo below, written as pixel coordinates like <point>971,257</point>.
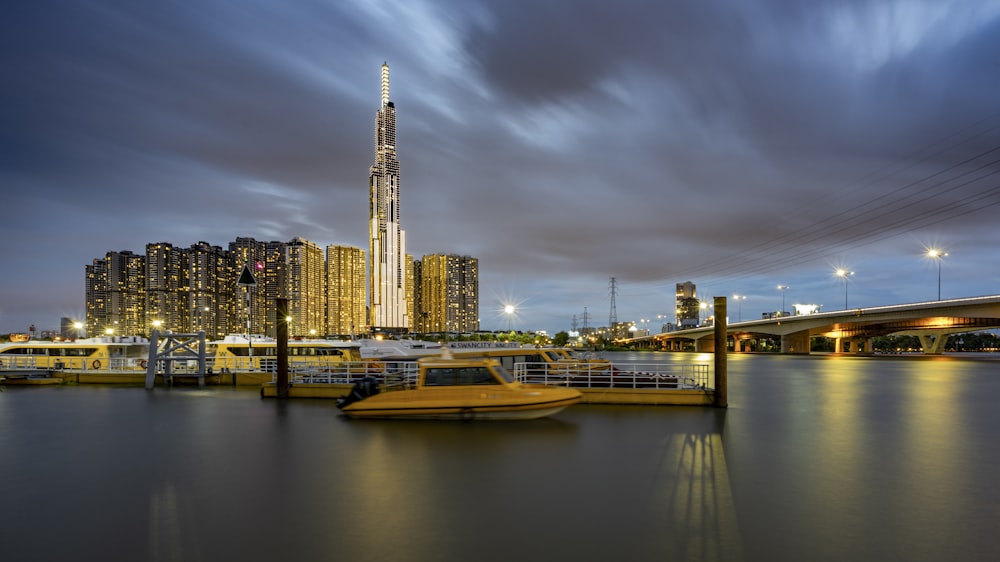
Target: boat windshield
<point>504,373</point>
<point>461,376</point>
<point>554,355</point>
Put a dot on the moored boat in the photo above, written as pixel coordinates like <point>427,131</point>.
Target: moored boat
<point>458,388</point>
<point>120,353</point>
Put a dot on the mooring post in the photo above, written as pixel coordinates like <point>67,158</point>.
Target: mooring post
<point>721,390</point>
<point>282,347</point>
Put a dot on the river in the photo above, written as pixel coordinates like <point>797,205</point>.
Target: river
<point>817,458</point>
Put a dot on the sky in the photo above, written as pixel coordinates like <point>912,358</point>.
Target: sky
<point>736,144</point>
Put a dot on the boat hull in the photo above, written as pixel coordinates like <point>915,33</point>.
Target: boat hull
<point>454,404</point>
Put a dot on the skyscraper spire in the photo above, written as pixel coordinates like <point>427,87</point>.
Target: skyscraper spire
<point>385,84</point>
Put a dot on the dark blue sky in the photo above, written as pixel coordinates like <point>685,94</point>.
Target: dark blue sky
<point>736,144</point>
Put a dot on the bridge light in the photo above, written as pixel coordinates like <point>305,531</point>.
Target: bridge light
<point>937,255</point>
<point>845,275</point>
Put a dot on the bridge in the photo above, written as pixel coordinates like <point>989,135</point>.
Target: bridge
<point>931,322</point>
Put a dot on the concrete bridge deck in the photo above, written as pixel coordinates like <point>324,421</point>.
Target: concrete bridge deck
<point>931,322</point>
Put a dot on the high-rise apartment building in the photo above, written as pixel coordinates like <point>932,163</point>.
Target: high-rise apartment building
<point>209,294</point>
<point>127,292</point>
<point>345,290</point>
<point>687,304</point>
<point>115,294</point>
<point>267,262</point>
<point>387,241</point>
<point>305,289</point>
<point>449,293</point>
<point>96,295</point>
<point>167,301</point>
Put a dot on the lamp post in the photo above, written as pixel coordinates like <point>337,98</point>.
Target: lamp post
<point>782,288</point>
<point>937,255</point>
<point>78,326</point>
<point>739,302</point>
<point>846,276</point>
<point>509,311</point>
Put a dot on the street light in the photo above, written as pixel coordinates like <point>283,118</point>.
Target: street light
<point>78,326</point>
<point>782,288</point>
<point>739,301</point>
<point>845,275</point>
<point>937,255</point>
<point>509,311</point>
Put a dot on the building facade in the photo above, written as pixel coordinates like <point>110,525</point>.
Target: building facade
<point>345,291</point>
<point>387,240</point>
<point>305,288</point>
<point>449,293</point>
<point>167,289</point>
<point>209,277</point>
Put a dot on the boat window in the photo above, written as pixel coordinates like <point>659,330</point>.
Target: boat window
<point>257,351</point>
<point>459,376</point>
<point>73,351</point>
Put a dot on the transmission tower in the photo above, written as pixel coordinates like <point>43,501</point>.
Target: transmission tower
<point>613,315</point>
<point>573,324</point>
<point>586,319</point>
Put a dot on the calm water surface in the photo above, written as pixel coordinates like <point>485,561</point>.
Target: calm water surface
<point>816,458</point>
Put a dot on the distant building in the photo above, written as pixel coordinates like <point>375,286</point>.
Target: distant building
<point>687,305</point>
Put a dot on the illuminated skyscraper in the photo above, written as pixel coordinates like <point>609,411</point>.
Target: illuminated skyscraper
<point>449,293</point>
<point>387,250</point>
<point>267,260</point>
<point>305,289</point>
<point>209,290</point>
<point>345,290</point>
<point>166,287</point>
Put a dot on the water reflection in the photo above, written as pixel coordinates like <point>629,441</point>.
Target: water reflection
<point>839,458</point>
<point>690,505</point>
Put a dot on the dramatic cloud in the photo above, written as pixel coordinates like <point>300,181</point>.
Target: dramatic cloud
<point>737,145</point>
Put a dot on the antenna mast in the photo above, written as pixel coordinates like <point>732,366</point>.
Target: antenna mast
<point>613,315</point>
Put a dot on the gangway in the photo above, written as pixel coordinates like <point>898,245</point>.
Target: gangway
<point>183,349</point>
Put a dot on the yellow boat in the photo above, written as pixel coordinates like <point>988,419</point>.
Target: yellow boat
<point>118,353</point>
<point>458,388</point>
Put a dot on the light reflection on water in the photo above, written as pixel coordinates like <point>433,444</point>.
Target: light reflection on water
<point>817,458</point>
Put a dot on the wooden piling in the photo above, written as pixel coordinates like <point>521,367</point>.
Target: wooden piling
<point>282,347</point>
<point>721,382</point>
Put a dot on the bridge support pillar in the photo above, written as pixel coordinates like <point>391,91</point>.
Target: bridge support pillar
<point>795,343</point>
<point>933,344</point>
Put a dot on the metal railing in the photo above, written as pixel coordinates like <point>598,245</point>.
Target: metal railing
<point>619,375</point>
<point>28,363</point>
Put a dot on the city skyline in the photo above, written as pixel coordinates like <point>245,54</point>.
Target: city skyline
<point>737,145</point>
<point>206,288</point>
